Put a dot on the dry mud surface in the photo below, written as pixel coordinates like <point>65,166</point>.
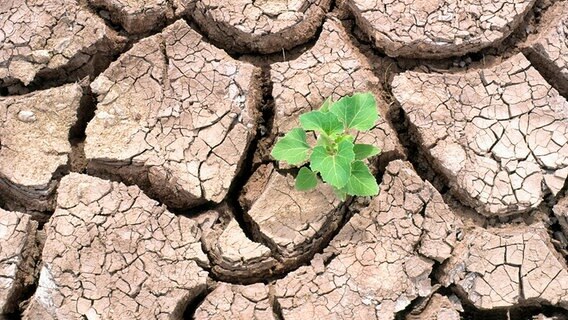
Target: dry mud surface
<point>136,180</point>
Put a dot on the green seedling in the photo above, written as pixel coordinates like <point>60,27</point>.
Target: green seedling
<point>335,157</point>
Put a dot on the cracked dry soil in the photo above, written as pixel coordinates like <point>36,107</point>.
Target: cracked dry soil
<point>136,181</point>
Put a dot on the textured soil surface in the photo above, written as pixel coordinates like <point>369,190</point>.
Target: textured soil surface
<point>136,180</point>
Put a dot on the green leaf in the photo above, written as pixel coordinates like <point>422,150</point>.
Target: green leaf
<point>326,104</point>
<point>323,122</point>
<point>356,112</point>
<point>361,182</point>
<point>292,148</point>
<point>334,168</point>
<point>363,151</point>
<point>345,137</point>
<point>340,193</point>
<point>306,179</point>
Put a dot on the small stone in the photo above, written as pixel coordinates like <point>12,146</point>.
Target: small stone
<point>26,116</point>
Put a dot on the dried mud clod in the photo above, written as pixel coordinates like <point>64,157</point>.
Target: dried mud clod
<point>548,47</point>
<point>34,145</point>
<point>229,302</point>
<point>264,26</point>
<point>499,135</point>
<point>175,115</point>
<point>284,228</point>
<point>142,16</point>
<point>374,268</point>
<point>19,253</point>
<point>437,29</point>
<point>234,256</point>
<point>438,307</point>
<point>111,250</point>
<point>333,67</point>
<point>509,266</point>
<point>52,40</point>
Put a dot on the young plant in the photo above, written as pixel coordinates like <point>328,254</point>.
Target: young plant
<point>336,158</point>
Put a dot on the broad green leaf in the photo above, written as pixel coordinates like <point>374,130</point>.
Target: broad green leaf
<point>292,148</point>
<point>361,182</point>
<point>334,168</point>
<point>306,179</point>
<point>363,151</point>
<point>356,112</point>
<point>340,193</point>
<point>326,104</point>
<point>323,122</point>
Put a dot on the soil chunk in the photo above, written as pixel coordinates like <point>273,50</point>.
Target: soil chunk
<point>503,267</point>
<point>264,26</point>
<point>19,252</point>
<point>175,116</point>
<point>111,250</point>
<point>499,135</point>
<point>231,302</point>
<point>34,145</point>
<point>548,48</point>
<point>437,29</point>
<point>52,39</point>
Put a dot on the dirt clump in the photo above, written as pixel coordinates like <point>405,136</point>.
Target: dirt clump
<point>19,253</point>
<point>548,47</point>
<point>264,26</point>
<point>175,115</point>
<point>34,145</point>
<point>52,39</point>
<point>230,302</point>
<point>505,267</point>
<point>111,250</point>
<point>437,29</point>
<point>499,135</point>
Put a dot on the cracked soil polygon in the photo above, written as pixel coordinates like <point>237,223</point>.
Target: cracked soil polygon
<point>294,224</point>
<point>139,16</point>
<point>233,255</point>
<point>175,115</point>
<point>437,28</point>
<point>499,135</point>
<point>263,26</point>
<point>111,252</point>
<point>236,302</point>
<point>34,145</point>
<point>372,268</point>
<point>52,39</point>
<point>333,67</point>
<point>18,255</point>
<point>506,267</point>
<point>439,307</point>
<point>548,48</point>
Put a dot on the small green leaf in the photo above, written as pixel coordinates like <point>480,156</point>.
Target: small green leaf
<point>326,104</point>
<point>340,193</point>
<point>363,151</point>
<point>361,182</point>
<point>334,168</point>
<point>323,122</point>
<point>306,179</point>
<point>292,148</point>
<point>356,112</point>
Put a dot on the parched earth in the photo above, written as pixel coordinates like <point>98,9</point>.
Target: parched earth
<point>136,180</point>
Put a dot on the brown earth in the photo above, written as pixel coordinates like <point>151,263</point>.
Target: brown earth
<point>136,180</point>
